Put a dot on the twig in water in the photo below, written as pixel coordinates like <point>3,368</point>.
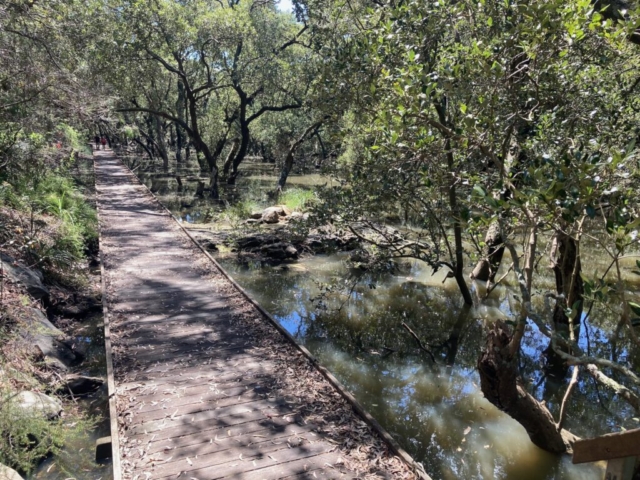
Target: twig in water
<point>567,395</point>
<point>419,342</point>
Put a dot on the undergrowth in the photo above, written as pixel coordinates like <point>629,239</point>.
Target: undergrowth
<point>47,222</point>
<point>27,437</point>
<point>297,199</point>
<point>240,211</point>
<point>55,223</point>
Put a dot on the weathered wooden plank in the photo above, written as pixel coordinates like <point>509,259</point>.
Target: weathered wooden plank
<point>193,405</point>
<point>197,370</point>
<point>285,462</point>
<point>237,411</point>
<point>221,450</point>
<point>220,394</point>
<point>264,427</point>
<point>607,447</point>
<point>263,418</point>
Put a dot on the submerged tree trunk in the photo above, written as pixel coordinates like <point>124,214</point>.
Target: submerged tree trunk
<point>565,263</point>
<point>230,156</point>
<point>288,162</point>
<point>458,272</point>
<point>242,150</point>
<point>492,254</point>
<point>500,385</point>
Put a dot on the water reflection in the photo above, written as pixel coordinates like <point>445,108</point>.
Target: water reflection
<point>437,412</point>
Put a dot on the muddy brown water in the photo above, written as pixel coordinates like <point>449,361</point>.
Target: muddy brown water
<point>352,323</point>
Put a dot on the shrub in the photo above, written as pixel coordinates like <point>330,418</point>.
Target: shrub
<point>297,198</point>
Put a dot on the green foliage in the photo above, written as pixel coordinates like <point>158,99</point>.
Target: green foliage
<point>27,437</point>
<point>297,199</point>
<point>73,139</point>
<point>240,211</point>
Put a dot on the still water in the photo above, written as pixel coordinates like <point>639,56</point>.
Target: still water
<point>353,323</point>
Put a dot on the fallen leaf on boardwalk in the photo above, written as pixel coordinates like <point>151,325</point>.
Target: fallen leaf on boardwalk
<point>189,461</point>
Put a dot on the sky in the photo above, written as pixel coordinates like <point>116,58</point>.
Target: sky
<point>285,5</point>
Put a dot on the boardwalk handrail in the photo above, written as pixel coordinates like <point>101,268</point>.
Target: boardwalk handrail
<point>607,447</point>
<point>357,407</point>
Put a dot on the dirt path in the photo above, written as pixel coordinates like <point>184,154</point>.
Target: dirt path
<point>206,387</point>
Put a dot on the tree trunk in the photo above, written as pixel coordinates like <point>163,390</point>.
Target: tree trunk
<point>565,263</point>
<point>180,134</point>
<point>242,150</point>
<point>492,253</point>
<point>230,156</point>
<point>458,273</point>
<point>288,162</point>
<point>146,149</point>
<point>500,385</point>
<point>213,183</point>
<point>160,143</point>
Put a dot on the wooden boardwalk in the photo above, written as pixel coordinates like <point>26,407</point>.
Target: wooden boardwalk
<point>206,387</point>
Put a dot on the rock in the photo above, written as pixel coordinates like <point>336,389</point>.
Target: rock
<point>209,245</point>
<point>38,332</point>
<point>291,251</point>
<point>37,322</point>
<point>319,242</point>
<point>284,210</point>
<point>104,450</point>
<point>30,278</point>
<point>271,215</point>
<point>251,242</point>
<point>7,473</point>
<point>31,402</point>
<point>81,385</point>
<point>298,217</point>
<point>256,215</point>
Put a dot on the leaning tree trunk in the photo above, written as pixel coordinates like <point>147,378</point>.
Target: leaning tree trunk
<point>500,385</point>
<point>288,162</point>
<point>230,156</point>
<point>492,253</point>
<point>565,263</point>
<point>240,154</point>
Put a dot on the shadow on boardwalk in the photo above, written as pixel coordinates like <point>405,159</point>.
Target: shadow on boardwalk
<point>207,388</point>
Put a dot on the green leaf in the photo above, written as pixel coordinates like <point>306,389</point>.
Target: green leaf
<point>463,108</point>
<point>479,191</point>
<point>635,308</point>
<point>490,21</point>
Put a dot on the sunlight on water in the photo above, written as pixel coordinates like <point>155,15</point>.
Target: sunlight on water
<point>438,413</point>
